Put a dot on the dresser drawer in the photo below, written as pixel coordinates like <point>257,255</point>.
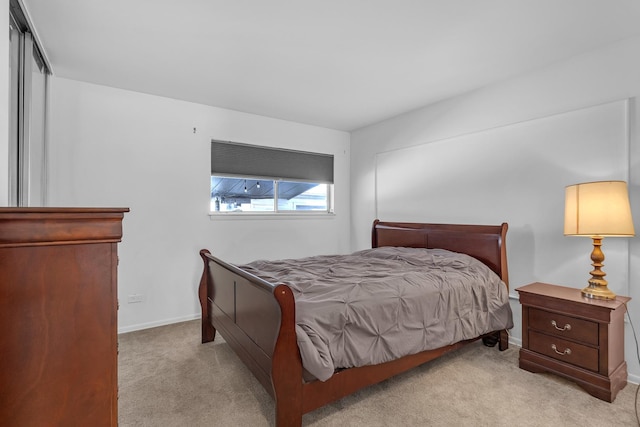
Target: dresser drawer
<point>566,351</point>
<point>581,330</point>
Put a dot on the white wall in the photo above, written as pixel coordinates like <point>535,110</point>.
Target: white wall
<point>111,147</point>
<point>599,77</point>
<point>516,174</point>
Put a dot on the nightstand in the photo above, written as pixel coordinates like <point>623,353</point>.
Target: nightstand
<point>578,338</point>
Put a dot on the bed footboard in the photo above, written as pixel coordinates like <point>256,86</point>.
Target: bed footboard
<point>257,320</point>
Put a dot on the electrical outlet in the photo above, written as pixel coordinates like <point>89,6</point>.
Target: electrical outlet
<point>135,298</point>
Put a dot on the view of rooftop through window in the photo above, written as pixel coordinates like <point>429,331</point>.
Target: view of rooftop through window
<point>254,195</point>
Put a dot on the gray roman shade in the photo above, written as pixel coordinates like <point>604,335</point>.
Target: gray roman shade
<point>243,160</point>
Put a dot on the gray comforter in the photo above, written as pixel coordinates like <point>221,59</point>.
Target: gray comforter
<point>380,304</point>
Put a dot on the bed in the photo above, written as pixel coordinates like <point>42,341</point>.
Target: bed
<point>257,318</point>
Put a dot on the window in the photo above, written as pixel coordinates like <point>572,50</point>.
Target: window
<point>249,178</point>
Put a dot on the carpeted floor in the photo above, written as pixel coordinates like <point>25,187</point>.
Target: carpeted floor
<point>167,378</point>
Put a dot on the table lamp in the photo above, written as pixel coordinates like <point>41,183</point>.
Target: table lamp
<point>597,210</point>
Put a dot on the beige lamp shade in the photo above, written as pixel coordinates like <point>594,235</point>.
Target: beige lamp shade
<point>598,209</point>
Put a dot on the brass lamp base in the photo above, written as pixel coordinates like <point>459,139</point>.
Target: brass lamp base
<point>598,292</point>
<point>597,288</point>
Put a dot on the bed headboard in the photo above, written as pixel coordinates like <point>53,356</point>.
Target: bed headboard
<point>483,242</point>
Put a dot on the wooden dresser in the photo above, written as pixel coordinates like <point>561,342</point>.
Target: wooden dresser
<point>579,338</point>
<point>58,312</point>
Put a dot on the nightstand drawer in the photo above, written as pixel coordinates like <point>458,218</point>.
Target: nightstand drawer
<point>566,351</point>
<point>564,326</point>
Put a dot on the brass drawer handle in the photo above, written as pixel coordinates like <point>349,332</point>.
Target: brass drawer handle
<point>564,353</point>
<point>566,327</point>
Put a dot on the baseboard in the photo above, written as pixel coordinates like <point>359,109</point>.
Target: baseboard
<point>633,379</point>
<point>148,325</point>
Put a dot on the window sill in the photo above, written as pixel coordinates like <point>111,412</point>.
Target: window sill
<point>214,216</point>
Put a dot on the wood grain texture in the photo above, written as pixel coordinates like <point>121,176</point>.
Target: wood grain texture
<point>58,306</point>
<point>596,337</point>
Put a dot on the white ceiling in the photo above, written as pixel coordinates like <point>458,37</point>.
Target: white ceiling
<point>341,64</point>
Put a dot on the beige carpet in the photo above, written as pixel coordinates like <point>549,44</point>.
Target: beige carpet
<point>167,378</point>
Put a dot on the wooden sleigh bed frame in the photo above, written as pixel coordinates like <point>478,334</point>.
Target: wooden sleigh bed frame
<point>257,318</point>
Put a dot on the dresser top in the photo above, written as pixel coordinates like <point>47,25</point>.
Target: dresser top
<point>59,210</point>
<point>59,226</point>
<point>570,294</point>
